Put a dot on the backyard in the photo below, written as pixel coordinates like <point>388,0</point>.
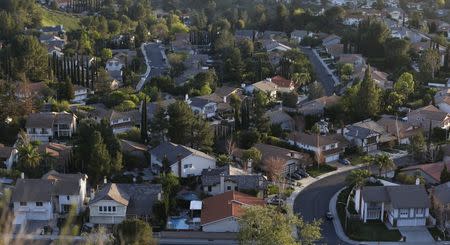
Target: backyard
<point>52,17</point>
<point>359,231</point>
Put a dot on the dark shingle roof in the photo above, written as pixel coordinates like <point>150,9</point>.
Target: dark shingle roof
<point>33,190</point>
<point>400,196</point>
<point>173,152</point>
<point>244,181</point>
<point>442,193</point>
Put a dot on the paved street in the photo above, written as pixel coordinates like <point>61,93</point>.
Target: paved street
<point>156,61</point>
<point>321,72</point>
<point>312,203</point>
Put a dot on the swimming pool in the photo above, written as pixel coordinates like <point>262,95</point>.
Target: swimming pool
<point>177,223</point>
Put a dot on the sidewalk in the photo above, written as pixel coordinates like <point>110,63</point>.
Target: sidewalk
<point>310,180</point>
<point>141,83</point>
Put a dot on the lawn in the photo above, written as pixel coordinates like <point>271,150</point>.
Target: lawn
<point>437,234</point>
<point>359,231</point>
<point>52,17</point>
<point>315,171</point>
<point>356,160</point>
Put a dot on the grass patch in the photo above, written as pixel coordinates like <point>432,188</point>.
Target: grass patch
<point>315,171</point>
<point>357,160</point>
<point>437,234</point>
<point>359,231</point>
<point>52,18</point>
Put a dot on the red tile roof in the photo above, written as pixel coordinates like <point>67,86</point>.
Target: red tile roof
<point>432,169</point>
<point>282,82</point>
<point>228,204</point>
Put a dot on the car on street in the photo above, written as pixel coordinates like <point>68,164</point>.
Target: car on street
<point>344,161</point>
<point>329,216</point>
<point>275,200</point>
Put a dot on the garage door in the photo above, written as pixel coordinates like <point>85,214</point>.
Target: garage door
<point>332,158</point>
<point>411,222</point>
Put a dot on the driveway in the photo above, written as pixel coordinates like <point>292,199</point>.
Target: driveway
<point>416,234</point>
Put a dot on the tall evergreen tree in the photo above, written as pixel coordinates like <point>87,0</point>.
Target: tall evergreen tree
<point>368,96</point>
<point>144,130</point>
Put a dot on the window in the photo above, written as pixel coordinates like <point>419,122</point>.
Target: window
<point>104,209</point>
<point>68,198</point>
<point>187,166</point>
<point>209,188</point>
<point>39,204</point>
<point>109,209</point>
<point>228,188</point>
<point>100,209</point>
<point>23,204</point>
<point>114,209</point>
<point>404,212</point>
<point>420,211</point>
<point>235,188</point>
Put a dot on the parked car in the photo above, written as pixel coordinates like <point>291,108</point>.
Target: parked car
<point>302,173</point>
<point>344,161</point>
<point>275,200</point>
<point>294,176</point>
<point>329,216</point>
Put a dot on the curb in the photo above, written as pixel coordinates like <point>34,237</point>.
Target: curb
<point>336,222</point>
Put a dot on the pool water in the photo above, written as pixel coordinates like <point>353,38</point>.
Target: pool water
<point>177,223</point>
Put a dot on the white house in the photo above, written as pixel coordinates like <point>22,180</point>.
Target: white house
<point>81,94</point>
<point>204,107</point>
<point>116,202</point>
<point>183,161</point>
<point>367,135</point>
<point>298,35</point>
<point>401,205</point>
<point>41,199</point>
<point>266,86</point>
<point>221,213</point>
<point>114,64</point>
<point>424,116</point>
<point>8,156</point>
<point>124,121</point>
<point>326,146</point>
<point>45,126</point>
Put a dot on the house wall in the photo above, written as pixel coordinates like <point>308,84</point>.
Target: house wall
<point>198,164</point>
<point>97,217</point>
<point>428,178</point>
<point>38,135</point>
<point>33,212</point>
<point>69,200</point>
<point>12,159</point>
<point>229,224</point>
<point>444,107</point>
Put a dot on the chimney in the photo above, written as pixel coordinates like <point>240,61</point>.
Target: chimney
<point>134,179</point>
<point>105,181</point>
<point>224,99</point>
<point>179,165</point>
<point>417,181</point>
<point>186,97</point>
<point>22,175</point>
<point>249,166</point>
<point>222,182</point>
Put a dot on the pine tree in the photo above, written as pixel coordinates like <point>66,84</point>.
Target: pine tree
<point>445,175</point>
<point>100,160</point>
<point>368,96</point>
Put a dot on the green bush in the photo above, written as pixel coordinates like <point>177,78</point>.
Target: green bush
<point>9,173</point>
<point>272,189</point>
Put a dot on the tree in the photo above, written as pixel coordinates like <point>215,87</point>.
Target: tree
<point>253,155</point>
<point>405,84</point>
<point>144,130</point>
<point>315,90</point>
<point>181,119</point>
<point>429,63</point>
<point>445,175</point>
<point>158,125</point>
<point>266,225</point>
<point>66,90</point>
<point>346,71</point>
<point>417,146</point>
<point>397,53</point>
<point>105,54</point>
<point>357,177</point>
<point>100,164</point>
<point>134,232</point>
<point>368,96</point>
<point>384,163</point>
<point>30,57</point>
<point>371,37</point>
<point>29,157</point>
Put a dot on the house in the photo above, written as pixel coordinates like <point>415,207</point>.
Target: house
<point>8,156</point>
<point>54,193</point>
<point>56,30</point>
<point>266,86</point>
<point>442,100</point>
<point>25,90</point>
<point>331,40</point>
<point>271,45</point>
<point>401,205</point>
<point>361,136</point>
<point>318,106</point>
<point>246,34</point>
<point>45,126</point>
<point>152,108</point>
<point>440,200</point>
<point>335,50</point>
<point>274,35</point>
<point>116,202</point>
<point>292,160</point>
<point>59,154</point>
<point>69,190</point>
<point>81,94</point>
<point>204,107</point>
<point>396,13</point>
<point>402,130</point>
<point>114,64</point>
<point>221,213</point>
<point>431,172</point>
<point>183,161</point>
<point>284,85</point>
<point>357,60</point>
<point>122,121</point>
<point>429,116</point>
<point>51,40</point>
<point>134,149</point>
<point>279,117</point>
<point>228,178</point>
<point>298,35</point>
<point>327,147</point>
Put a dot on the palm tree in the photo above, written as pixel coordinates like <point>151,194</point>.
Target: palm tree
<point>357,177</point>
<point>29,156</point>
<point>384,163</point>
